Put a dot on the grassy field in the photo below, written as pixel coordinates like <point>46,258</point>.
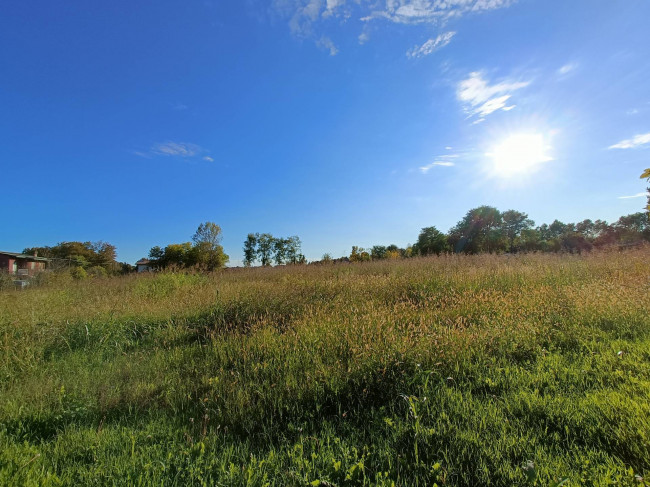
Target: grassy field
<point>458,370</point>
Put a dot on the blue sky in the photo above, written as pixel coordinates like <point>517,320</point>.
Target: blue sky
<point>346,122</point>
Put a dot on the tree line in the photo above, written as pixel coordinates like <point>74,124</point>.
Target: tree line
<point>486,229</point>
<point>94,258</point>
<point>482,229</point>
<point>204,251</point>
<point>266,248</point>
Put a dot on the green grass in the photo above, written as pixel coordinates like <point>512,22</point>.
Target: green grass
<point>449,371</point>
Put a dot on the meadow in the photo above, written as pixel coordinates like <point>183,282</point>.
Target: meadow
<point>452,370</point>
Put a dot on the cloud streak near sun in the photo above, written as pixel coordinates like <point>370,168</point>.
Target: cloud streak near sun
<point>482,98</point>
<point>636,141</point>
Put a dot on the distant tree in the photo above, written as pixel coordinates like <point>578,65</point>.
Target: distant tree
<point>265,247</point>
<point>513,223</point>
<point>574,242</point>
<point>478,231</point>
<point>409,251</point>
<point>250,249</point>
<point>179,255</point>
<point>431,241</point>
<point>156,254</point>
<point>631,228</point>
<point>326,259</point>
<point>393,254</point>
<point>207,246</point>
<point>359,254</point>
<point>557,229</point>
<point>529,240</point>
<point>80,254</point>
<point>293,246</point>
<point>280,248</point>
<point>378,252</point>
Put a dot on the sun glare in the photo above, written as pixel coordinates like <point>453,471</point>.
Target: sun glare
<point>519,155</point>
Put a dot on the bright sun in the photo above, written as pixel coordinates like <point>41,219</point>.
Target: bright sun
<point>519,155</point>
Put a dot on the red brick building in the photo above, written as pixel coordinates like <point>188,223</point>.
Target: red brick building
<point>20,264</point>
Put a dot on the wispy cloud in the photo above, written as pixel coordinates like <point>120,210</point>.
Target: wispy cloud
<point>431,11</point>
<point>445,160</point>
<point>306,18</point>
<point>638,195</point>
<point>636,141</point>
<point>482,98</point>
<point>182,150</point>
<point>428,167</point>
<point>180,107</point>
<point>177,149</point>
<point>430,46</point>
<point>327,44</point>
<point>567,68</point>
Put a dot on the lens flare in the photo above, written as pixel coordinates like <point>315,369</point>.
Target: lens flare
<point>519,155</point>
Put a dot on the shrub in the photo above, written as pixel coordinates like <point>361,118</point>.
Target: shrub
<point>78,273</point>
<point>6,281</point>
<point>97,271</point>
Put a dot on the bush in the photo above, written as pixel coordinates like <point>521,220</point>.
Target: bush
<point>78,273</point>
<point>6,281</point>
<point>97,271</point>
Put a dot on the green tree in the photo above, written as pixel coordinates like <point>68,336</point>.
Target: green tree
<point>431,241</point>
<point>80,254</point>
<point>632,228</point>
<point>250,249</point>
<point>478,231</point>
<point>293,247</point>
<point>207,246</point>
<point>359,254</point>
<point>378,252</point>
<point>513,223</point>
<point>265,245</point>
<point>280,249</point>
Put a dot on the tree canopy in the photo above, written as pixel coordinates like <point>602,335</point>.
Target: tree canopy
<point>205,250</point>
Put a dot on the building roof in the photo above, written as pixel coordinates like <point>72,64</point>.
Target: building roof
<point>17,255</point>
<point>143,261</point>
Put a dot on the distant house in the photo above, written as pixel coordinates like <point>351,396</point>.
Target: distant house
<point>21,264</point>
<point>144,265</point>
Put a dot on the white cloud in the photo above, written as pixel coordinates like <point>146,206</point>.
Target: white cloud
<point>306,17</point>
<point>180,107</point>
<point>364,37</point>
<point>428,167</point>
<point>177,149</point>
<point>636,141</point>
<point>431,11</point>
<point>181,150</point>
<point>481,98</point>
<point>327,44</point>
<point>566,69</point>
<point>638,195</point>
<point>431,45</point>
